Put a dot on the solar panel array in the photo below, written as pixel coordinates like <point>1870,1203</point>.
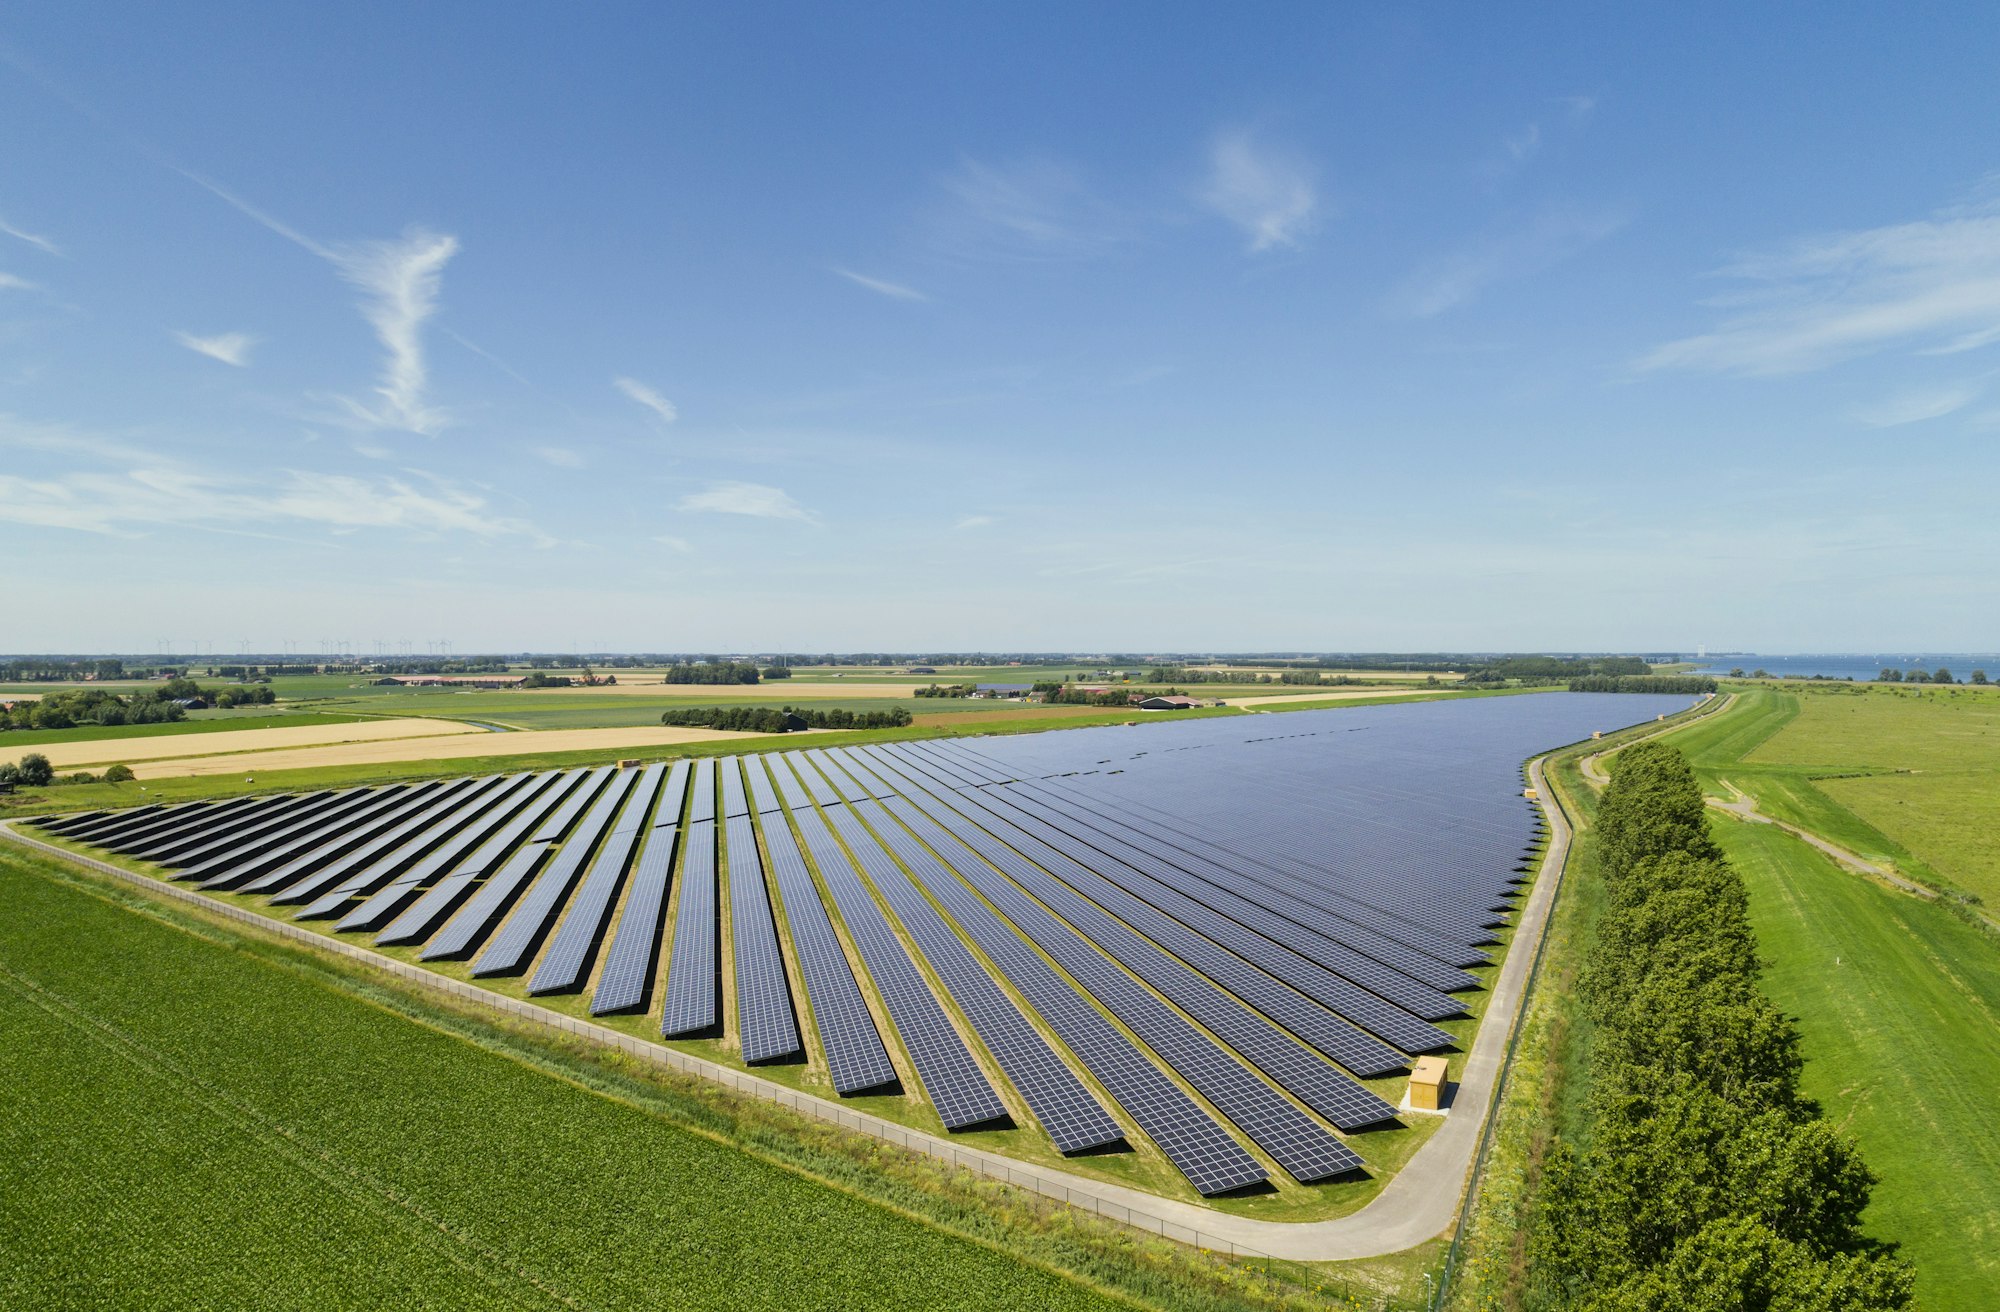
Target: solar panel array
<point>1204,937</point>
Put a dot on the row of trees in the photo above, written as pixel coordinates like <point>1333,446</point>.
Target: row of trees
<point>1704,1178</point>
<point>954,689</point>
<point>713,672</point>
<point>1940,675</point>
<point>1667,683</point>
<point>35,771</point>
<point>95,706</point>
<point>787,719</point>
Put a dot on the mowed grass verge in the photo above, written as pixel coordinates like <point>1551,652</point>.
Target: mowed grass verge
<point>196,1126</point>
<point>1899,1005</point>
<point>1897,998</point>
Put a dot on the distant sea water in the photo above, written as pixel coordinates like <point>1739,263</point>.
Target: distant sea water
<point>1852,666</point>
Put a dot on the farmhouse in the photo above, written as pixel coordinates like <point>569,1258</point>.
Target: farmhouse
<point>1167,703</point>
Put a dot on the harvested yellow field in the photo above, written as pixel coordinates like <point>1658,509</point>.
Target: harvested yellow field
<point>1346,694</point>
<point>780,690</point>
<point>460,746</point>
<point>114,751</point>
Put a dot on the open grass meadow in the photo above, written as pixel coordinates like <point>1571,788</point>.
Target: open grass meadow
<point>200,1119</point>
<point>1898,997</point>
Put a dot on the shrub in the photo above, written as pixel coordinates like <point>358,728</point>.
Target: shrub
<point>35,770</point>
<point>119,774</point>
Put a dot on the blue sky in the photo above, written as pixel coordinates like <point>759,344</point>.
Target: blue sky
<point>1143,326</point>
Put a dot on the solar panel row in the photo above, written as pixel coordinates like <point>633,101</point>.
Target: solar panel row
<point>1073,1119</point>
<point>764,1020</point>
<point>694,987</point>
<point>855,1057</point>
<point>1303,1147</point>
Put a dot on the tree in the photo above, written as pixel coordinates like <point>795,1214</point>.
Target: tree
<point>35,770</point>
<point>1979,676</point>
<point>1889,675</point>
<point>1736,673</point>
<point>1942,676</point>
<point>119,774</point>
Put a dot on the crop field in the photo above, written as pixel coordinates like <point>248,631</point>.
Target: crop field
<point>197,722</point>
<point>1898,997</point>
<point>843,868</point>
<point>196,1127</point>
<point>432,740</point>
<point>238,741</point>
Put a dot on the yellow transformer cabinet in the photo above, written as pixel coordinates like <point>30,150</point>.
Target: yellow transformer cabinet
<point>1427,1084</point>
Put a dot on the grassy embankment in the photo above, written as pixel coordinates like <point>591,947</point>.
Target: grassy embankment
<point>1897,996</point>
<point>174,1058</point>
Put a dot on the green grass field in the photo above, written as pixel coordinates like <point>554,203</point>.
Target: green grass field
<point>1898,998</point>
<point>193,1126</point>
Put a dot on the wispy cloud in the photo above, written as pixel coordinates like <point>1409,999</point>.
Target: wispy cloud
<point>1036,209</point>
<point>1460,276</point>
<point>672,543</point>
<point>1917,406</point>
<point>1267,193</point>
<point>9,282</point>
<point>230,348</point>
<point>561,457</point>
<point>975,521</point>
<point>647,397</point>
<point>1929,287</point>
<point>755,499</point>
<point>131,501</point>
<point>893,290</point>
<point>39,243</point>
<point>399,281</point>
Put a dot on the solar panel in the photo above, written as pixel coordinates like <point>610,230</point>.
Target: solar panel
<point>693,1003</point>
<point>957,1088</point>
<point>701,802</point>
<point>421,919</point>
<point>1301,1145</point>
<point>583,927</point>
<point>628,964</point>
<point>470,928</point>
<point>734,802</point>
<point>762,798</point>
<point>233,863</point>
<point>510,950</point>
<point>855,1056</point>
<point>417,846</point>
<point>1203,1151</point>
<point>381,906</point>
<point>387,842</point>
<point>764,1019</point>
<point>297,858</point>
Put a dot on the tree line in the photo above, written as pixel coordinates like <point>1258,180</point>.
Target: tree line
<point>1667,683</point>
<point>786,719</point>
<point>1703,1177</point>
<point>713,672</point>
<point>1940,675</point>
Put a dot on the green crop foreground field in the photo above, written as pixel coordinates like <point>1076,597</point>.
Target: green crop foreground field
<point>200,1119</point>
<point>1898,997</point>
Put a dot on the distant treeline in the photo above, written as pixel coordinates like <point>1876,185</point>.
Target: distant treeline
<point>946,689</point>
<point>1668,683</point>
<point>1704,1178</point>
<point>787,719</point>
<point>81,707</point>
<point>55,670</point>
<point>712,672</point>
<point>1940,675</point>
